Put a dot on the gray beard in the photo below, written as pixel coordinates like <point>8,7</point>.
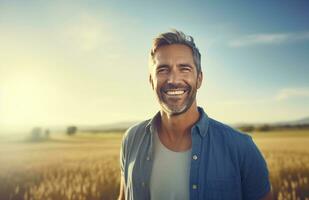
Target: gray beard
<point>175,111</point>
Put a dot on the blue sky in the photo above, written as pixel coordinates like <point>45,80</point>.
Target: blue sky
<point>85,62</point>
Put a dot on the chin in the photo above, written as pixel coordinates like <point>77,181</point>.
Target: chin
<point>175,111</point>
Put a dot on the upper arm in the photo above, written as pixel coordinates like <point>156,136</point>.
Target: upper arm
<point>254,173</point>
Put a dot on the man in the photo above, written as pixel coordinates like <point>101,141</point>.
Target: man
<point>181,153</point>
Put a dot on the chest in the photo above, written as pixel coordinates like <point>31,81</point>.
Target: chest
<point>170,173</point>
<point>214,172</point>
<point>178,144</point>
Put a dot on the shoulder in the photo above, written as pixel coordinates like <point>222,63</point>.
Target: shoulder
<point>238,142</point>
<point>135,132</point>
<point>225,135</point>
<point>221,130</point>
<point>133,138</point>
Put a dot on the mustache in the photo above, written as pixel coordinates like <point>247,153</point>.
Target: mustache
<point>171,86</point>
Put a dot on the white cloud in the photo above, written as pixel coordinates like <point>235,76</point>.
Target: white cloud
<point>280,95</point>
<point>269,38</point>
<point>287,93</point>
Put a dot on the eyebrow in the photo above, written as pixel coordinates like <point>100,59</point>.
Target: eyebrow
<point>162,66</point>
<point>185,65</point>
<point>179,65</point>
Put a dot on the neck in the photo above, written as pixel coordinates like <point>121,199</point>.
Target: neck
<point>176,127</point>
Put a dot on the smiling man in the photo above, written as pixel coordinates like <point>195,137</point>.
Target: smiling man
<point>181,153</point>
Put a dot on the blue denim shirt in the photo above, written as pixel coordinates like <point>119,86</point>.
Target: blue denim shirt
<point>225,164</point>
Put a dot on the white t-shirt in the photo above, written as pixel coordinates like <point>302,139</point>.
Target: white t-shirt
<point>170,173</point>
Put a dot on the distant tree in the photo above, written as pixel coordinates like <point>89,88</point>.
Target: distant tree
<point>36,133</point>
<point>71,130</point>
<point>248,128</point>
<point>47,132</point>
<point>264,127</point>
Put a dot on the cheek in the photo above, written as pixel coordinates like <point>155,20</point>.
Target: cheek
<point>153,81</point>
<point>158,82</point>
<point>155,84</point>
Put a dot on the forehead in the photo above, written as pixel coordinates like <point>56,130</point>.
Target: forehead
<point>173,53</point>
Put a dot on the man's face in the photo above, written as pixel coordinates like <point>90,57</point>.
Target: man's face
<point>174,78</point>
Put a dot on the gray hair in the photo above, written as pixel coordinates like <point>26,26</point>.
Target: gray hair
<point>176,37</point>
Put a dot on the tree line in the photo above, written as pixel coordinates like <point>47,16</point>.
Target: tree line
<point>270,127</point>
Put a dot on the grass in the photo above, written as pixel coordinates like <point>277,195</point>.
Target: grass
<point>287,156</point>
<point>86,166</point>
<point>79,167</point>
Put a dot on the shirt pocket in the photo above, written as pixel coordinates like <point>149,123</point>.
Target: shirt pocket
<point>222,189</point>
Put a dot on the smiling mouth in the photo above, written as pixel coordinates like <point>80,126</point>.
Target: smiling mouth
<point>175,92</point>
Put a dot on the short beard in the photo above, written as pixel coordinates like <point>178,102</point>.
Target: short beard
<point>175,111</point>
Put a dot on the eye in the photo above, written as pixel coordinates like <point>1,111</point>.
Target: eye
<point>162,70</point>
<point>185,69</point>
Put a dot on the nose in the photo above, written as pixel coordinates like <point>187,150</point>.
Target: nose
<point>173,77</point>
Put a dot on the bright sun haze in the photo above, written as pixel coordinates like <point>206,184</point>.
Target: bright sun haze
<point>86,63</point>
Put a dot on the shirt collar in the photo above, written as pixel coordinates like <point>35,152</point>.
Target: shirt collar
<point>151,125</point>
<point>202,124</point>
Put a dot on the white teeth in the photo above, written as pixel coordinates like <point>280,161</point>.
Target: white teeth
<point>175,92</point>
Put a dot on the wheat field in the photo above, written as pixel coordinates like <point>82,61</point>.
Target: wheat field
<point>86,166</point>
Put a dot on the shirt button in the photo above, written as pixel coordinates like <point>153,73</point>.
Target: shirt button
<point>194,187</point>
<point>194,157</point>
<point>148,158</point>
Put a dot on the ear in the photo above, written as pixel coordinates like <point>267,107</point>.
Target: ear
<point>199,80</point>
<point>151,81</point>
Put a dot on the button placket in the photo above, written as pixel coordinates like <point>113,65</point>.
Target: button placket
<point>195,163</point>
